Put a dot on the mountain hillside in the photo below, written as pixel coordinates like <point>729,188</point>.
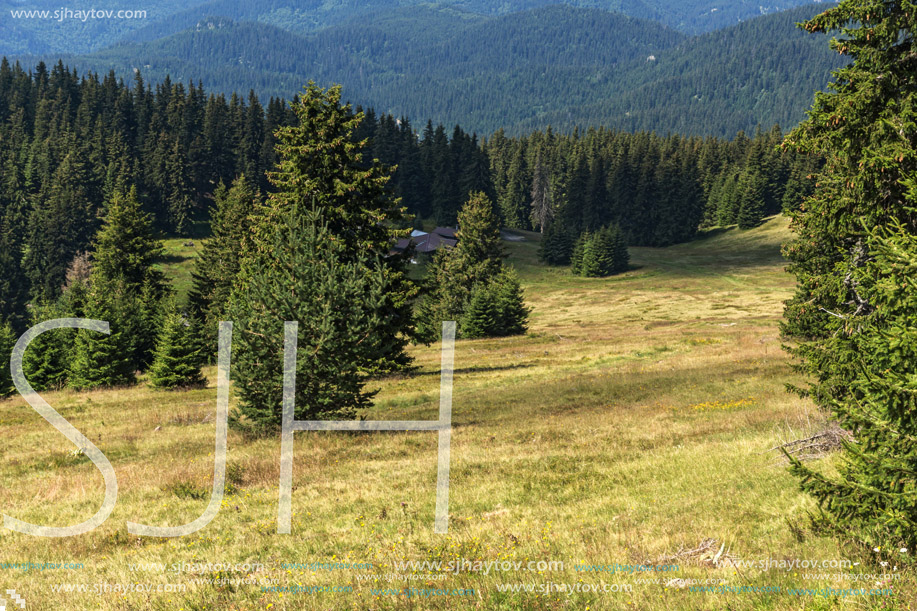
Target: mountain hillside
<point>759,72</point>
<point>557,66</point>
<point>58,32</point>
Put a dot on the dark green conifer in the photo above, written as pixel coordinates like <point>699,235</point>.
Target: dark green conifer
<point>753,189</point>
<point>302,274</point>
<point>480,316</point>
<point>100,360</point>
<point>123,259</point>
<point>178,356</point>
<point>578,252</point>
<point>511,312</point>
<point>321,167</point>
<point>855,257</point>
<point>602,253</point>
<point>216,268</point>
<point>451,279</point>
<point>620,255</point>
<point>46,361</point>
<point>556,246</point>
<point>7,341</point>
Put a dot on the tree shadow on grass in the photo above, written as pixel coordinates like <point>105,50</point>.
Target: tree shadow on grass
<point>473,370</point>
<point>706,234</point>
<point>170,259</point>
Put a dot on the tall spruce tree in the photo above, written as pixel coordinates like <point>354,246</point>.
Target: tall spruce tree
<point>321,167</point>
<point>479,253</point>
<point>854,259</point>
<point>542,196</point>
<point>619,253</point>
<point>126,246</point>
<point>753,189</point>
<point>14,285</point>
<point>513,200</point>
<point>216,268</point>
<point>440,299</point>
<point>476,258</point>
<point>123,263</point>
<point>61,225</point>
<point>300,272</point>
<point>179,196</point>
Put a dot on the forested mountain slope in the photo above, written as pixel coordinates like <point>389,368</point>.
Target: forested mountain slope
<point>74,34</point>
<point>688,16</point>
<point>556,66</point>
<point>760,72</point>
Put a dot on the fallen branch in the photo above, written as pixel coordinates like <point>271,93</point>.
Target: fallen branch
<point>820,444</point>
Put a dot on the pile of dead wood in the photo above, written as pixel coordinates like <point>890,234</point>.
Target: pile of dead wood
<point>816,446</point>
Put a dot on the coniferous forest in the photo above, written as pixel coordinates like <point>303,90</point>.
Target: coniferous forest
<point>451,66</point>
<point>73,142</point>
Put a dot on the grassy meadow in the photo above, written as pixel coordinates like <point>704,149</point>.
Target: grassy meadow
<point>632,424</point>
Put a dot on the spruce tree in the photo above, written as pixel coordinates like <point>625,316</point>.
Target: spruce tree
<point>439,300</point>
<point>620,255</point>
<point>179,190</point>
<point>100,360</point>
<point>730,198</point>
<point>556,246</point>
<point>321,167</point>
<point>216,268</point>
<point>451,279</point>
<point>598,254</point>
<point>873,499</point>
<point>602,253</point>
<point>14,285</point>
<point>123,258</point>
<point>178,356</point>
<point>480,316</point>
<point>511,312</point>
<point>46,361</point>
<point>753,188</point>
<point>542,196</point>
<point>479,253</point>
<point>126,246</point>
<point>301,273</point>
<point>595,257</point>
<point>7,341</point>
<point>854,260</point>
<point>61,225</point>
<point>496,308</point>
<point>578,252</point>
<point>514,199</point>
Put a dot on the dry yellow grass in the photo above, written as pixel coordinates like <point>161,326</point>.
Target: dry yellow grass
<point>582,442</point>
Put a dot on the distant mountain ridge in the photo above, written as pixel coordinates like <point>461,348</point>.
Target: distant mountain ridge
<point>166,17</point>
<point>556,65</point>
<point>399,56</point>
